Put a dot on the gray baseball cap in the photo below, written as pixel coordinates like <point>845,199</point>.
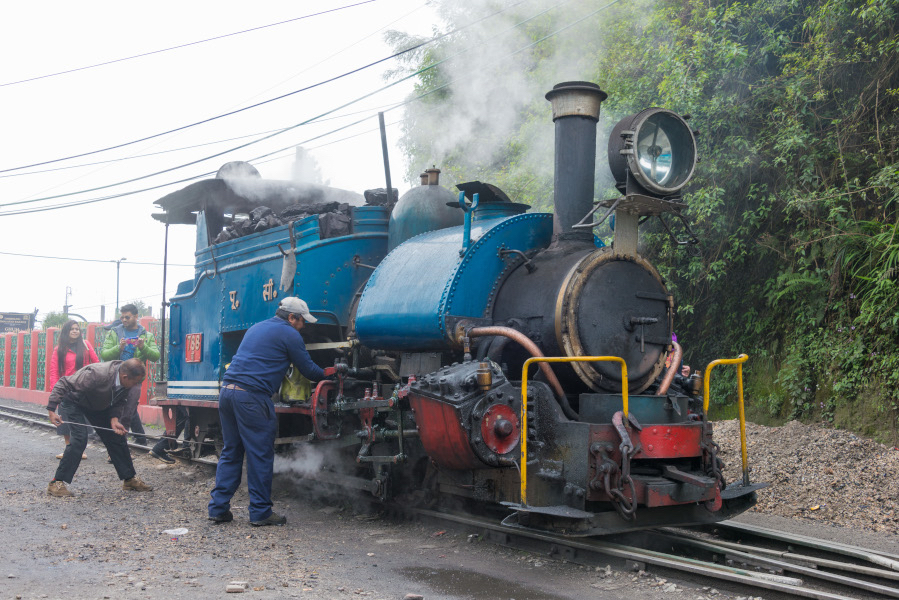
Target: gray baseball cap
<point>296,306</point>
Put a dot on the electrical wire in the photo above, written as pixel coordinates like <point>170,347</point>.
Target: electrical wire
<point>286,129</point>
<point>448,83</point>
<point>26,211</point>
<point>94,260</point>
<point>195,43</point>
<point>157,143</point>
<point>445,85</point>
<point>168,294</point>
<point>239,110</point>
<point>170,150</point>
<point>183,127</point>
<point>416,73</point>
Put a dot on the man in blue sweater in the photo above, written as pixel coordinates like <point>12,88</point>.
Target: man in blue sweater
<point>247,413</point>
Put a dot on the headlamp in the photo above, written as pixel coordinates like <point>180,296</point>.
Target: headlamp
<point>657,147</point>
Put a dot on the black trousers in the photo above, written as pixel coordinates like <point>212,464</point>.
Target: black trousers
<point>115,444</point>
<point>137,428</point>
<point>182,420</point>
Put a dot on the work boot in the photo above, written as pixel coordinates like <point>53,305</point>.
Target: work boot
<point>272,519</point>
<point>58,488</point>
<point>225,517</point>
<point>163,456</point>
<point>136,485</point>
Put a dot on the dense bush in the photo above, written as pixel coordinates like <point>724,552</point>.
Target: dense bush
<point>795,200</point>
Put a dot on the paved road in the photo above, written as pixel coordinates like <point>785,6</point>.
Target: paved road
<point>107,543</point>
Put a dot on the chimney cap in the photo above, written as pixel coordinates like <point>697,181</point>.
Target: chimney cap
<point>576,99</point>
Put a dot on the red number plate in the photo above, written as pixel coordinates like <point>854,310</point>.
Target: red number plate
<point>193,347</point>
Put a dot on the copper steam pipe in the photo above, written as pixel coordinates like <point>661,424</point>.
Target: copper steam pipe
<point>672,369</point>
<point>528,345</point>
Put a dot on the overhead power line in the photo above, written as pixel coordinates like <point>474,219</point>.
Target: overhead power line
<point>179,149</point>
<point>195,43</point>
<point>168,294</point>
<point>419,72</point>
<point>256,105</point>
<point>94,260</point>
<point>220,116</point>
<point>25,211</point>
<point>279,132</point>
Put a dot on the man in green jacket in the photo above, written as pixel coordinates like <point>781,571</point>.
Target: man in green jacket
<point>129,339</point>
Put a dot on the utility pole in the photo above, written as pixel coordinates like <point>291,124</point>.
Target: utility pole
<point>65,307</point>
<point>118,264</point>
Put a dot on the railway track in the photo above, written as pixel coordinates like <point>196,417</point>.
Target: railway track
<point>38,420</point>
<point>770,561</point>
<point>773,562</point>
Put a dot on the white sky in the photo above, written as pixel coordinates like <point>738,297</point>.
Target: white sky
<point>87,110</point>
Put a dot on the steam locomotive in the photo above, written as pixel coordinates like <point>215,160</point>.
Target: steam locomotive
<point>439,305</point>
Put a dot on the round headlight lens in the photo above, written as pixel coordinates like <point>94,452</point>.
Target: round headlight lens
<point>658,148</point>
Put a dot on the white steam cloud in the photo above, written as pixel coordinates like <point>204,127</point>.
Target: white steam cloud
<point>497,76</point>
<point>302,461</point>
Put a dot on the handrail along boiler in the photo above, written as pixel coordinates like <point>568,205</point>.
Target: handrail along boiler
<point>438,305</point>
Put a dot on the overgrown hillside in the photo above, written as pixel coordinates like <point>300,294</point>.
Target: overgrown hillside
<point>795,200</point>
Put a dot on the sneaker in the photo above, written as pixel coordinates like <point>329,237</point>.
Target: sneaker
<point>183,452</point>
<point>163,456</point>
<point>58,488</point>
<point>136,485</point>
<point>272,519</point>
<point>225,517</point>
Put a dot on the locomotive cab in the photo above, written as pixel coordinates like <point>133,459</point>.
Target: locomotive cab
<point>258,241</point>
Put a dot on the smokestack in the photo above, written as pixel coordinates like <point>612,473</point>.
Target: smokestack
<point>575,112</point>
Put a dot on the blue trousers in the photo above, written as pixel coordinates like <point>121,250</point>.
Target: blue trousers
<point>249,427</point>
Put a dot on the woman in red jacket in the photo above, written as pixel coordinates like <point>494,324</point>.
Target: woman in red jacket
<point>72,353</point>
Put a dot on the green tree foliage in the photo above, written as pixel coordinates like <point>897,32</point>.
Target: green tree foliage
<point>797,195</point>
<point>54,319</point>
<point>143,310</point>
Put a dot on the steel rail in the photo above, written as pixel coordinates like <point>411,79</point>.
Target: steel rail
<point>800,558</point>
<point>883,559</point>
<point>660,559</point>
<point>771,563</point>
<point>41,421</point>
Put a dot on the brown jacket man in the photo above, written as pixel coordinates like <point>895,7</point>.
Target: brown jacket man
<point>93,389</point>
<point>97,395</point>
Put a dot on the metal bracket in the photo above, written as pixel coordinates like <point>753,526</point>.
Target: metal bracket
<point>503,252</point>
<point>357,262</point>
<point>691,243</point>
<point>467,209</point>
<point>583,224</point>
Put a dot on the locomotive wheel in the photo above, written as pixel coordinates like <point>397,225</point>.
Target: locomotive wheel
<point>206,439</point>
<point>196,449</point>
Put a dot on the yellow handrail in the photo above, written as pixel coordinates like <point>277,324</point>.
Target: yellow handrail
<point>705,404</point>
<point>524,403</point>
